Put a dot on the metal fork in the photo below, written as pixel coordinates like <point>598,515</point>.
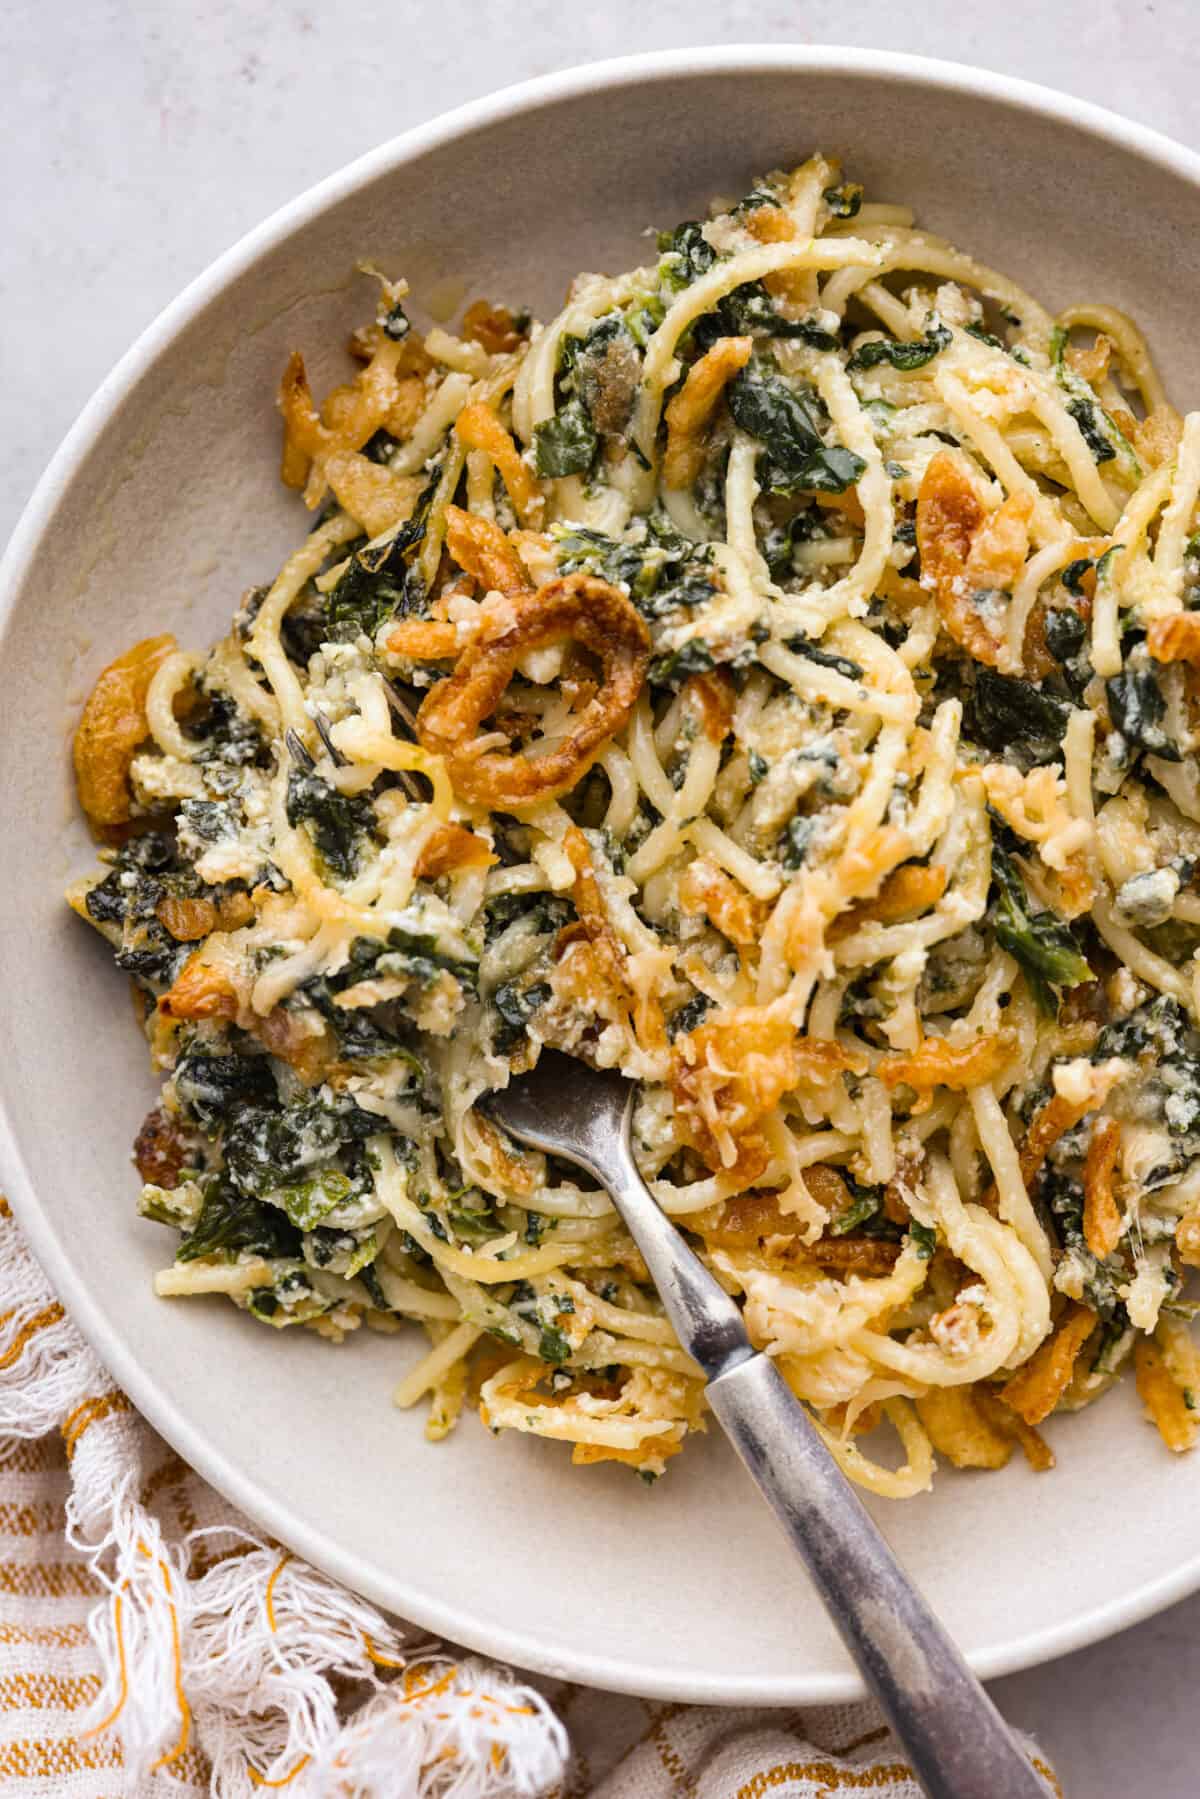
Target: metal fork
<point>956,1740</point>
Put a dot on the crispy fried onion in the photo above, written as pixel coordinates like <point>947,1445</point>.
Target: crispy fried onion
<point>705,888</point>
<point>1176,638</point>
<point>190,919</point>
<point>578,606</point>
<point>478,427</point>
<point>1051,1121</point>
<point>967,550</point>
<point>1035,1390</point>
<point>493,326</point>
<point>972,1429</point>
<point>600,972</point>
<point>112,726</point>
<point>936,1063</point>
<point>1187,1239</point>
<point>733,1070</point>
<point>481,550</point>
<point>641,1422</point>
<point>756,1220</point>
<point>161,1149</point>
<point>1035,805</point>
<point>1167,1371</point>
<point>215,983</point>
<point>373,494</point>
<point>387,394</point>
<point>713,696</point>
<point>422,639</point>
<point>693,406</point>
<point>905,893</point>
<point>1102,1222</point>
<point>451,849</point>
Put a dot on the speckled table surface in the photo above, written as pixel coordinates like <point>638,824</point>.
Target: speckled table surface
<point>141,139</point>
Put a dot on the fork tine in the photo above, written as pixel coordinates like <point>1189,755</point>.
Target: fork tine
<point>335,755</point>
<point>297,748</point>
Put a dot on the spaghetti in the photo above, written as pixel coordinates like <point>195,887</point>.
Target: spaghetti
<point>775,678</point>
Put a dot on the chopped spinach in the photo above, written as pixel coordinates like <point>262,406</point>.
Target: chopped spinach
<point>1072,575</point>
<point>395,323</point>
<point>1100,431</point>
<point>749,311</point>
<point>1089,416</point>
<point>472,1223</point>
<point>863,1207</point>
<point>1066,632</point>
<point>864,1216</point>
<point>337,821</point>
<point>147,871</point>
<point>686,255</point>
<point>1100,1280</point>
<point>787,424</point>
<point>983,337</point>
<point>796,839</point>
<point>1043,945</point>
<point>232,1223</point>
<point>207,1087</point>
<point>1136,707</point>
<point>229,735</point>
<point>902,356</point>
<point>842,665</point>
<point>923,1238</point>
<point>307,1201</point>
<point>553,1346</point>
<point>543,912</point>
<point>688,1017</point>
<point>844,200</point>
<point>381,581</point>
<point>695,657</point>
<point>565,444</point>
<point>516,1006</point>
<point>662,570</point>
<point>267,1148</point>
<point>1010,715</point>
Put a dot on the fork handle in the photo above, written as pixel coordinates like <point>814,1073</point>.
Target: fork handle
<point>956,1740</point>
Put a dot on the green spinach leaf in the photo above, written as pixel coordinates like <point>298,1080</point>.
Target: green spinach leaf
<point>565,444</point>
<point>1136,707</point>
<point>1043,945</point>
<point>338,822</point>
<point>232,1223</point>
<point>902,356</point>
<point>787,424</point>
<point>1012,715</point>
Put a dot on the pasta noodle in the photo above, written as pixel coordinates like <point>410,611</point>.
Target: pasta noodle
<point>775,678</point>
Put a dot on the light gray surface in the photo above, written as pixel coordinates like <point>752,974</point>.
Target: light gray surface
<point>140,142</point>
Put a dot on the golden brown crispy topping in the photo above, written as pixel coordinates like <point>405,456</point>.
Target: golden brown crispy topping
<point>478,427</point>
<point>965,550</point>
<point>493,326</point>
<point>1035,1389</point>
<point>577,606</point>
<point>111,727</point>
<point>481,549</point>
<point>1101,1214</point>
<point>160,1151</point>
<point>936,1063</point>
<point>692,407</point>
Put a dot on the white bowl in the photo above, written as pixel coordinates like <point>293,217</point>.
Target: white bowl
<point>160,508</point>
